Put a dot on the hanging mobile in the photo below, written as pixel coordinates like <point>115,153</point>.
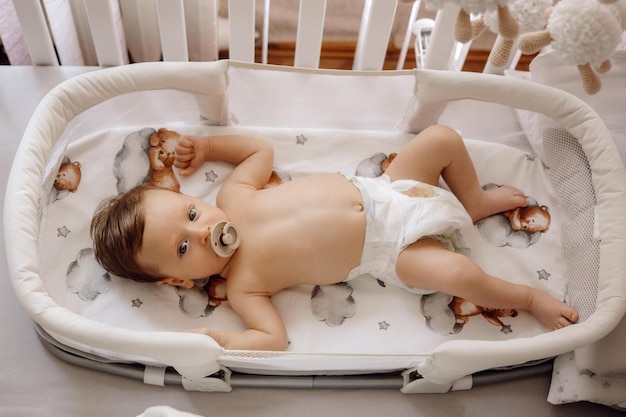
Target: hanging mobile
<point>224,238</point>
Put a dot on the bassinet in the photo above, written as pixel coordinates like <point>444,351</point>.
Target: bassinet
<point>574,151</point>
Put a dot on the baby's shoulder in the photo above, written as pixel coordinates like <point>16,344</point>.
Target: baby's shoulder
<point>235,194</point>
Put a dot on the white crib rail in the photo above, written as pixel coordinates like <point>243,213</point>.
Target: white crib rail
<point>114,32</point>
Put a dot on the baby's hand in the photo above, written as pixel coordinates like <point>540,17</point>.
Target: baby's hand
<point>189,154</point>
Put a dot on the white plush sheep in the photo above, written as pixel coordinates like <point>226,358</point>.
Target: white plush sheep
<point>584,33</point>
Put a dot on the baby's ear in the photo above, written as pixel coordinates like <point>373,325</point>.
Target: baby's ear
<point>177,282</point>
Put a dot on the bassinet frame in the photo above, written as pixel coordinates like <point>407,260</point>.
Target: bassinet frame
<point>194,356</point>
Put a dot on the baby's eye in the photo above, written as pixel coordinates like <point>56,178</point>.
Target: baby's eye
<point>182,248</point>
<point>192,214</point>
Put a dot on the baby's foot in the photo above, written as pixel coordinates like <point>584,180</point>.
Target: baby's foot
<point>552,313</point>
<point>497,200</point>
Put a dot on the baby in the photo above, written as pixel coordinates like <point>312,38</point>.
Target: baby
<point>318,230</point>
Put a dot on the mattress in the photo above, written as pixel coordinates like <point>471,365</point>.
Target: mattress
<point>360,317</point>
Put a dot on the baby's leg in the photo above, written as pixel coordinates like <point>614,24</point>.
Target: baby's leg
<point>439,151</point>
<point>427,264</point>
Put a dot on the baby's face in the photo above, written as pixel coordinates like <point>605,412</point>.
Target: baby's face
<point>176,237</point>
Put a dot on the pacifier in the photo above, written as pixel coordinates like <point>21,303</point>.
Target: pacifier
<point>224,238</point>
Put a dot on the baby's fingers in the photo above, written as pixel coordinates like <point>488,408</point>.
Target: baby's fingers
<point>184,146</point>
<point>184,159</point>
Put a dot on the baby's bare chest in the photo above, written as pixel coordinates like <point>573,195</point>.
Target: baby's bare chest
<point>309,232</point>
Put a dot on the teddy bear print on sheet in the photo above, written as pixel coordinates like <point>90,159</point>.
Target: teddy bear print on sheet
<point>517,228</point>
<point>147,156</point>
<point>67,179</point>
<point>84,277</point>
<point>446,314</point>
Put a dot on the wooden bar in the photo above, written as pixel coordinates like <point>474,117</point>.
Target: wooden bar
<point>340,55</point>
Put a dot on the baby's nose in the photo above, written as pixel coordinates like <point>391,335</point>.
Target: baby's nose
<point>203,233</point>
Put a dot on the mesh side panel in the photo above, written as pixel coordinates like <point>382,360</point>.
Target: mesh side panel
<point>571,176</point>
<point>511,132</point>
<point>520,139</point>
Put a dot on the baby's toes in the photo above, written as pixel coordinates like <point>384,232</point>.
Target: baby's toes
<point>562,322</point>
<point>571,315</point>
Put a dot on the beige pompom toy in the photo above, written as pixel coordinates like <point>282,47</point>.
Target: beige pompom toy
<point>584,33</point>
<point>465,29</point>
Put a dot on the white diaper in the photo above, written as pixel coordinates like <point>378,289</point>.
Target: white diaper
<point>399,214</point>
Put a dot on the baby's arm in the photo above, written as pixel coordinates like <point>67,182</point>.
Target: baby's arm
<point>253,157</point>
<point>266,330</point>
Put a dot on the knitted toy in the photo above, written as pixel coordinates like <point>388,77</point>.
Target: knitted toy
<point>584,33</point>
<point>530,15</point>
<point>466,30</point>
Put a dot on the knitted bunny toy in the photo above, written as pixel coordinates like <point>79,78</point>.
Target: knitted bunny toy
<point>584,33</point>
<point>465,30</point>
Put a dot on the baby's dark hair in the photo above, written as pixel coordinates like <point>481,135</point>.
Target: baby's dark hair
<point>117,232</point>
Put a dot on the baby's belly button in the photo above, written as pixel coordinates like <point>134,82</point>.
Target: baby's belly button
<point>358,207</point>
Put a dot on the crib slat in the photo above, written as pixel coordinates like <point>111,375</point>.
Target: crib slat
<point>407,35</point>
<point>242,31</point>
<point>442,40</point>
<point>36,34</point>
<point>141,27</point>
<point>201,21</point>
<point>374,34</point>
<point>172,30</point>
<point>311,16</point>
<point>79,13</point>
<point>106,36</point>
<point>63,31</point>
<point>265,32</point>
